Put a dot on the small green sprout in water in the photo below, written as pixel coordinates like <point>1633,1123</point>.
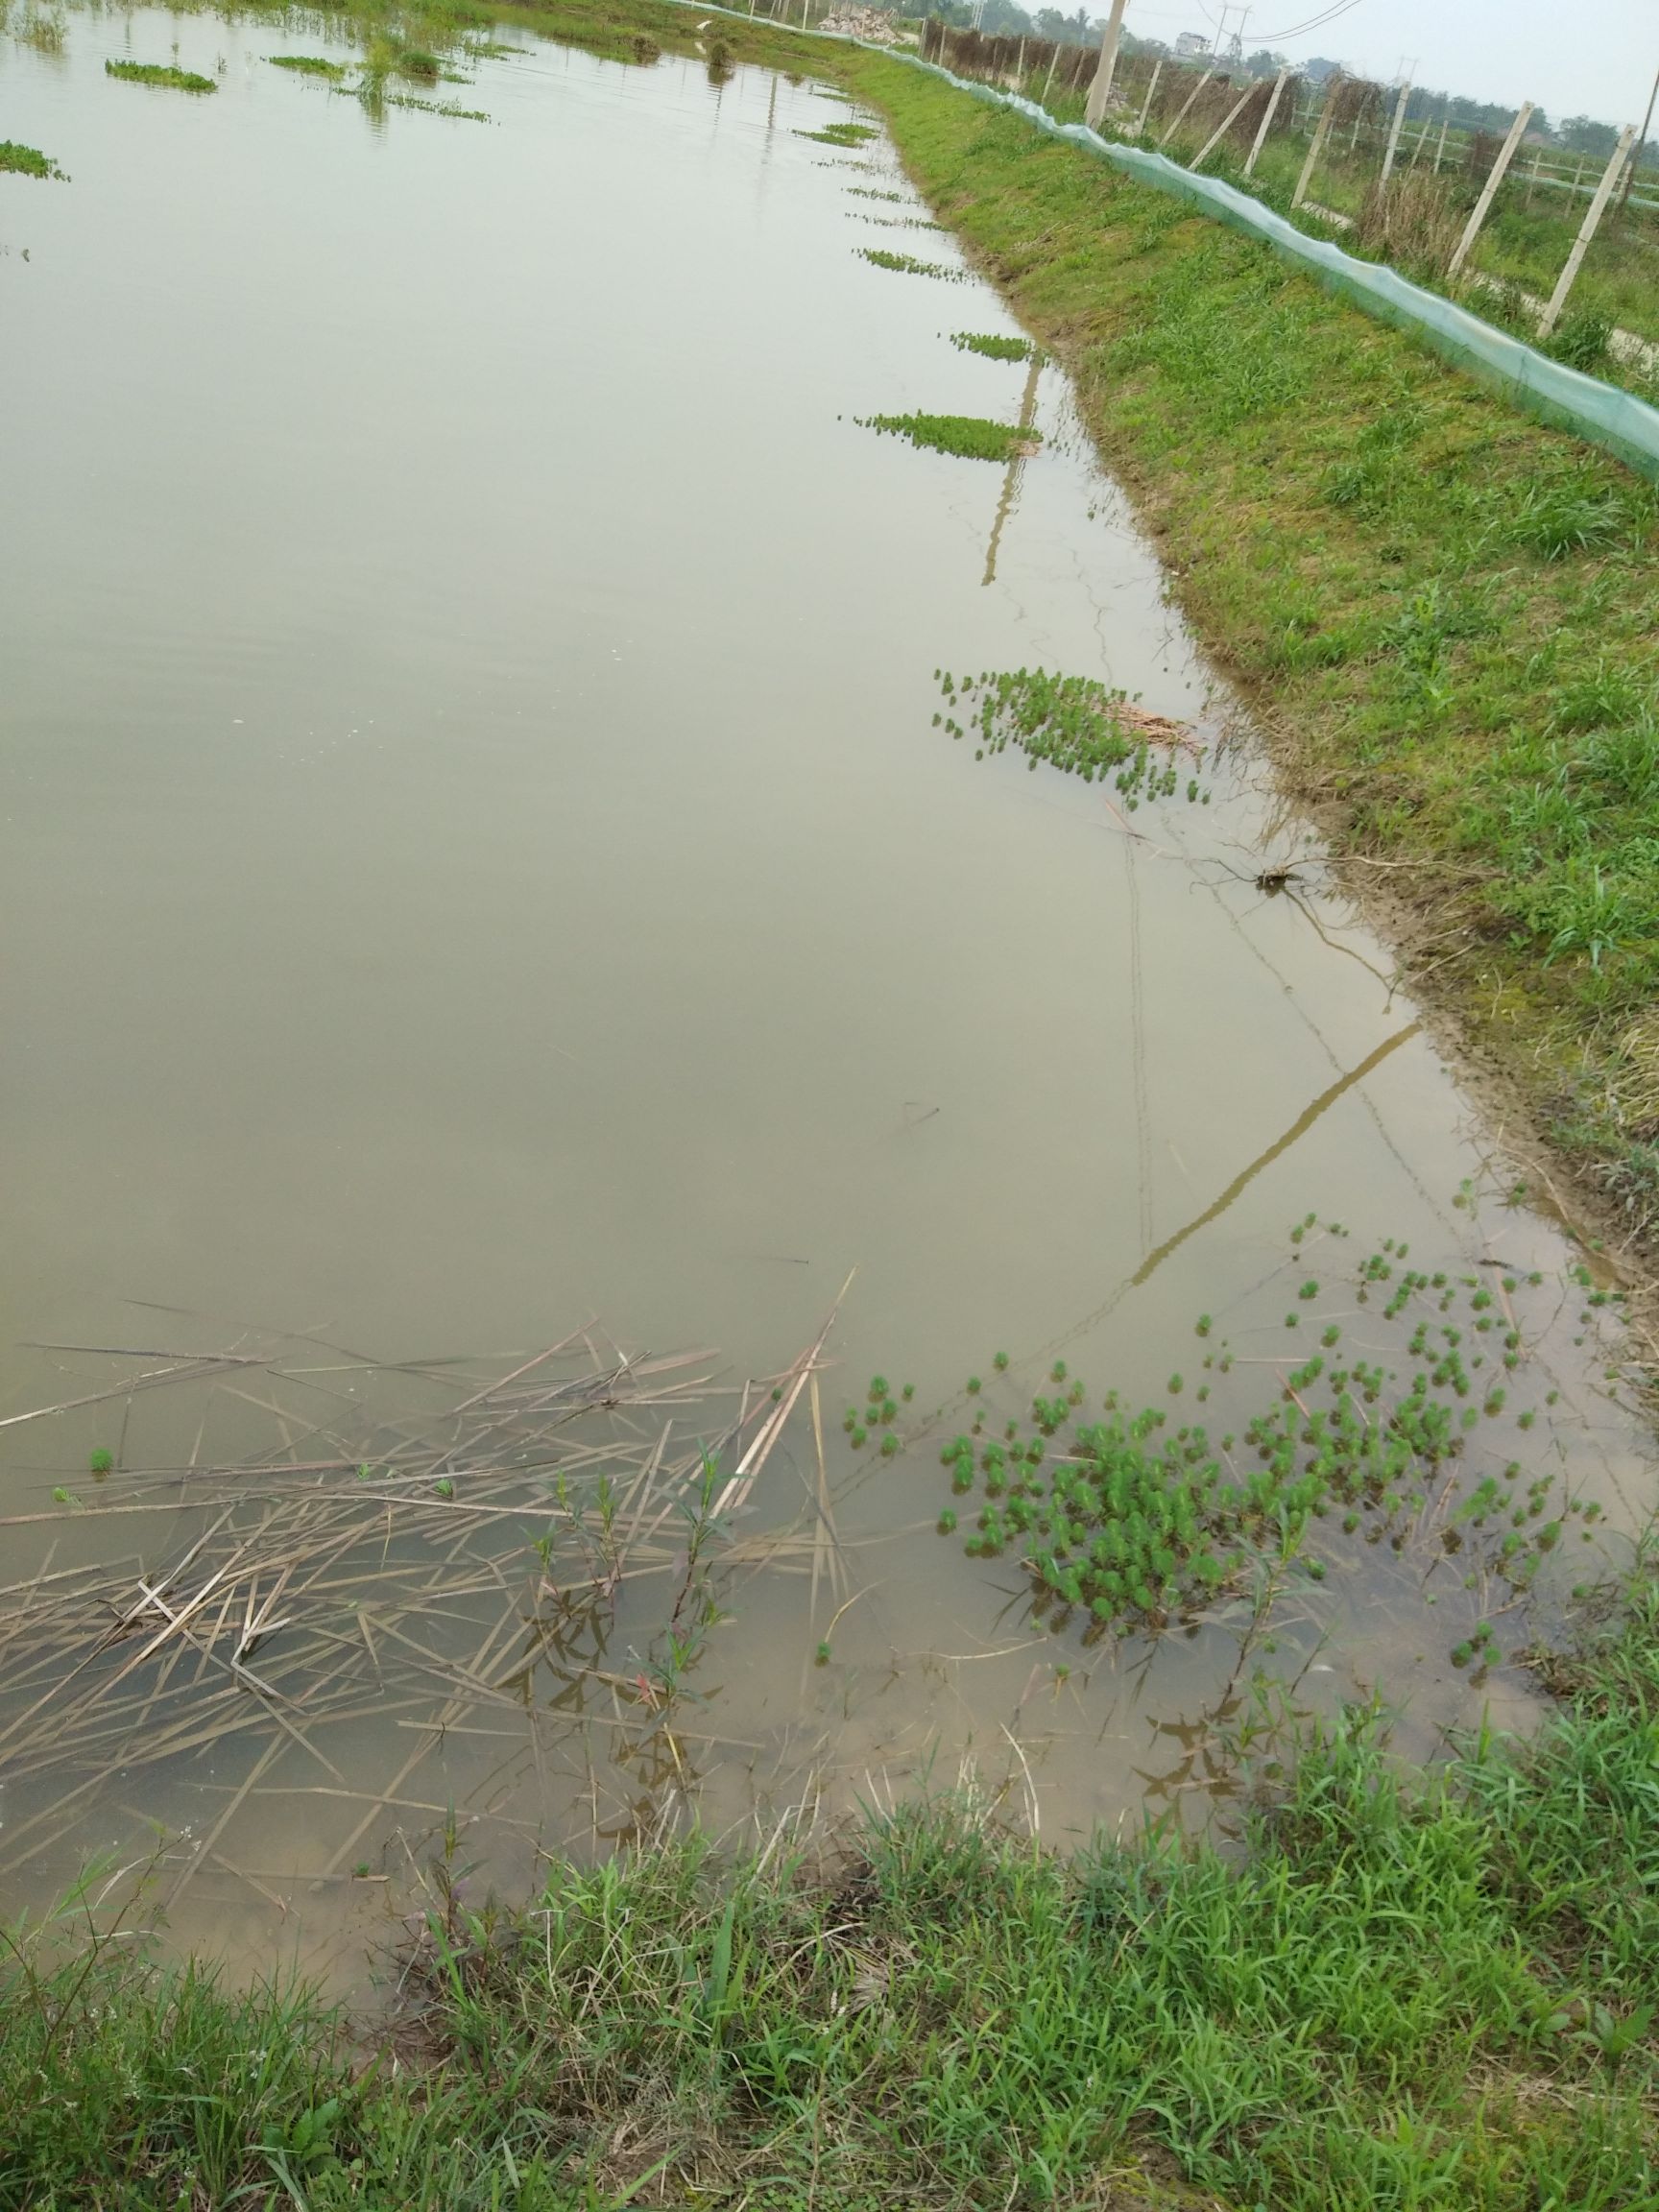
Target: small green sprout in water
<point>1001,1361</point>
<point>101,1463</point>
<point>1201,1327</point>
<point>946,1522</point>
<point>153,73</point>
<point>360,1872</point>
<point>859,1439</point>
<point>908,1392</point>
<point>877,1388</point>
<point>889,1445</point>
<point>62,1497</point>
<point>821,1657</point>
<point>1176,1385</point>
<point>1332,1335</point>
<point>1308,1289</point>
<point>974,1386</point>
<point>444,1487</point>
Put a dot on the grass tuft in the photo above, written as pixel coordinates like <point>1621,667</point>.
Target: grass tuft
<point>973,436</point>
<point>27,161</point>
<point>156,73</point>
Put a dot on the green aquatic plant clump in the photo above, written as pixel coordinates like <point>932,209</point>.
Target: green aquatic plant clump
<point>1073,723</point>
<point>156,73</point>
<point>307,65</point>
<point>972,437</point>
<point>991,345</point>
<point>907,265</point>
<point>841,134</point>
<point>1135,1526</point>
<point>27,161</point>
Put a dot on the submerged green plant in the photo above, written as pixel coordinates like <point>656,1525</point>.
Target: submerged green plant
<point>907,265</point>
<point>973,436</point>
<point>991,345</point>
<point>101,1463</point>
<point>840,134</point>
<point>1073,723</point>
<point>307,65</point>
<point>27,161</point>
<point>1133,1525</point>
<point>155,72</point>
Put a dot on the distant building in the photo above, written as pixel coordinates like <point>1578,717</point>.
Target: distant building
<point>1191,44</point>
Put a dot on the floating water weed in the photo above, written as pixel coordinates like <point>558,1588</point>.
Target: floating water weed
<point>973,436</point>
<point>101,1463</point>
<point>153,73</point>
<point>27,161</point>
<point>308,65</point>
<point>840,134</point>
<point>906,265</point>
<point>1073,723</point>
<point>869,192</point>
<point>991,345</point>
<point>1132,1525</point>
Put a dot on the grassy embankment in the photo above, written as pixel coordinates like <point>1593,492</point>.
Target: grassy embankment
<point>1442,612</point>
<point>1405,1992</point>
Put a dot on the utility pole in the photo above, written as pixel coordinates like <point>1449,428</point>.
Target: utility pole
<point>1100,91</point>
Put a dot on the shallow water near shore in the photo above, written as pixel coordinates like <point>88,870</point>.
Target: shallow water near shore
<point>479,865</point>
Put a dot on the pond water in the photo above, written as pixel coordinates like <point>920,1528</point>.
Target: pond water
<point>479,864</point>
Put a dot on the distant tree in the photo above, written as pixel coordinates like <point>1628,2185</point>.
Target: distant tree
<point>1001,19</point>
<point>1319,68</point>
<point>1265,64</point>
<point>1580,135</point>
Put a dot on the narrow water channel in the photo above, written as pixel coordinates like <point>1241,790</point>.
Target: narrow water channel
<point>477,862</point>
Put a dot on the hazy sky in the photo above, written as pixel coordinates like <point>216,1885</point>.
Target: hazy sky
<point>1596,58</point>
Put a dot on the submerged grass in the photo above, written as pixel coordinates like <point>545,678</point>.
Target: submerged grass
<point>27,161</point>
<point>907,265</point>
<point>1406,1990</point>
<point>974,437</point>
<point>308,65</point>
<point>991,345</point>
<point>157,73</point>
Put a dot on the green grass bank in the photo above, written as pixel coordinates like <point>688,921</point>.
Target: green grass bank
<point>1398,1991</point>
<point>1441,615</point>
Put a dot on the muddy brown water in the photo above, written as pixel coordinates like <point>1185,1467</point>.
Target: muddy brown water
<point>478,863</point>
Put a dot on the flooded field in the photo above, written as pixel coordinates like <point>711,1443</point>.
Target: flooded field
<point>486,868</point>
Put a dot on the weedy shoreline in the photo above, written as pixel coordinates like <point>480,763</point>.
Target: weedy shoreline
<point>1395,1989</point>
